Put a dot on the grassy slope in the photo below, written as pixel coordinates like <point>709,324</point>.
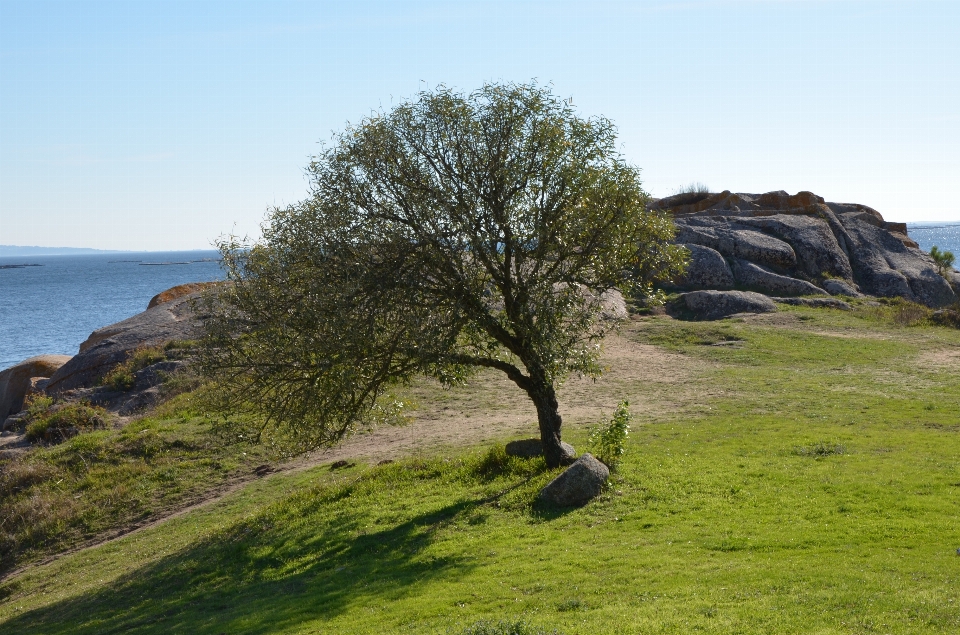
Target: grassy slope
<point>733,517</point>
<point>58,497</point>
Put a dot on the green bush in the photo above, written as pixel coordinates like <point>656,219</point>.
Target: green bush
<point>58,424</point>
<point>36,405</point>
<point>121,378</point>
<point>607,440</point>
<point>943,259</point>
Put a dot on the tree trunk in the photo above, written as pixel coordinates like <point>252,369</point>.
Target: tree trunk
<point>548,415</point>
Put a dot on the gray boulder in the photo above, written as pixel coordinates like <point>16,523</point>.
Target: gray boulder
<point>715,305</point>
<point>613,306</point>
<point>888,266</point>
<point>112,345</point>
<point>707,269</point>
<point>578,484</point>
<point>758,277</point>
<point>529,448</point>
<point>16,381</point>
<point>840,287</point>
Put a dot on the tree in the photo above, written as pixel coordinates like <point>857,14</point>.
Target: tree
<point>452,233</point>
<point>943,259</point>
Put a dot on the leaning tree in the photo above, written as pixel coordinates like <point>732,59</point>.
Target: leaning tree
<point>453,233</point>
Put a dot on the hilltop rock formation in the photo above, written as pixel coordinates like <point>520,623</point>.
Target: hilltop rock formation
<point>784,245</point>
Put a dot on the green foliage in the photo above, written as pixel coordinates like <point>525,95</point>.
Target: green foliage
<point>452,233</point>
<point>57,423</point>
<point>900,312</point>
<point>121,378</point>
<point>943,259</point>
<point>607,441</point>
<point>36,405</point>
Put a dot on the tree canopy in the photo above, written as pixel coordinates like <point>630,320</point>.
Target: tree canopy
<point>452,233</point>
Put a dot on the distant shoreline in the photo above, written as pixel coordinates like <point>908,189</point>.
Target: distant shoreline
<point>16,251</point>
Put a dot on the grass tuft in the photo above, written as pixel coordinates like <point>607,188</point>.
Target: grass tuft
<point>485,627</point>
<point>820,450</point>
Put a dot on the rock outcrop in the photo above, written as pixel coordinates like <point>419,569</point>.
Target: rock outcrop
<point>715,305</point>
<point>799,245</point>
<point>16,381</point>
<point>177,292</point>
<point>111,345</point>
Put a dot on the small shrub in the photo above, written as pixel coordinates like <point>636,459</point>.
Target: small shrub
<point>607,441</point>
<point>575,604</point>
<point>485,627</point>
<point>943,259</point>
<point>949,316</point>
<point>121,378</point>
<point>58,424</point>
<point>695,187</point>
<point>36,405</point>
<point>819,450</point>
<point>495,462</point>
<point>901,312</point>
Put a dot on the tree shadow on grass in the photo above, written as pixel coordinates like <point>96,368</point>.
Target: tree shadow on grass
<point>258,578</point>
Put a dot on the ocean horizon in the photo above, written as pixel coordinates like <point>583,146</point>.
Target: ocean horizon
<point>53,308</point>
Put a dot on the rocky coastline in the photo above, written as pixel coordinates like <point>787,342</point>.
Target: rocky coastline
<point>169,319</point>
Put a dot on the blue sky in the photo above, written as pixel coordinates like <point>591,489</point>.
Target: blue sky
<point>163,125</point>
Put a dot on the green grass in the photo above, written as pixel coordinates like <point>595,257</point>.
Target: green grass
<point>813,491</point>
<point>60,496</point>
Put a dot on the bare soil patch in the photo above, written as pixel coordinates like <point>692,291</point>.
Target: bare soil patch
<point>491,407</point>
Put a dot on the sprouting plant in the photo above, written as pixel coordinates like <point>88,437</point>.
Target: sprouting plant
<point>607,440</point>
<point>943,259</point>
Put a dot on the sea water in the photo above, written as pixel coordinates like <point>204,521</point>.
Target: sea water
<point>946,236</point>
<point>52,308</point>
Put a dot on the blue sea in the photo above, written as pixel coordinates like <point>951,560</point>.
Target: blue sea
<point>946,236</point>
<point>52,308</point>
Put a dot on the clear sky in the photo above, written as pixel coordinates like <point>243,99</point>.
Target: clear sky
<point>163,125</point>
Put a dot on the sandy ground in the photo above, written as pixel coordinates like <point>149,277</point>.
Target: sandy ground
<point>491,407</point>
